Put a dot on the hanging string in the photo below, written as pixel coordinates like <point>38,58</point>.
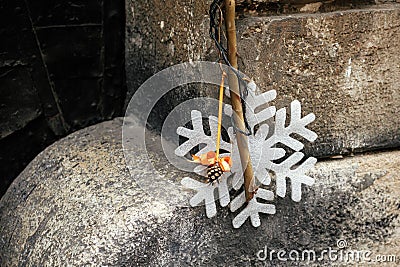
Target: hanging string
<point>215,34</point>
<point>221,101</point>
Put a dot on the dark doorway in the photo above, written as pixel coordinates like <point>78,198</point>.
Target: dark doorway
<point>61,69</point>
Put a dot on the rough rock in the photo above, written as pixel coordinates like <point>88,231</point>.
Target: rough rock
<point>339,65</point>
<point>343,65</point>
<point>76,204</point>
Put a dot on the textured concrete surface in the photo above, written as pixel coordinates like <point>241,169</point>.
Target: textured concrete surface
<point>342,65</point>
<point>76,204</point>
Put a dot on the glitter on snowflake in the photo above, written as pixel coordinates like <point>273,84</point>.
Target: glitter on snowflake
<point>269,129</point>
<point>205,193</point>
<point>253,208</point>
<point>297,176</point>
<point>197,136</point>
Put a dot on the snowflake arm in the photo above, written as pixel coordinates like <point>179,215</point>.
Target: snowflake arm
<point>253,208</point>
<point>205,193</point>
<point>223,191</point>
<point>254,101</point>
<point>297,125</point>
<point>261,157</point>
<point>197,136</point>
<point>297,176</point>
<point>213,122</point>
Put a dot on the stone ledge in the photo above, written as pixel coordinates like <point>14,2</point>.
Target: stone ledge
<point>340,65</point>
<point>76,204</point>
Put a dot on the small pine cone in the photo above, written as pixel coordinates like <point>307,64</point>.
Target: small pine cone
<point>214,172</point>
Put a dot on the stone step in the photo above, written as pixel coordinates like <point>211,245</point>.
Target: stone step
<point>77,204</point>
<point>344,66</point>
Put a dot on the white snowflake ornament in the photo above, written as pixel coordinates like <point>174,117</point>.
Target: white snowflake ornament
<point>268,127</point>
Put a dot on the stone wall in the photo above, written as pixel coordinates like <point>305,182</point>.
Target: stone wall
<point>341,65</point>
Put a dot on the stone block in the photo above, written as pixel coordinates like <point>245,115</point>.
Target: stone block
<point>77,204</point>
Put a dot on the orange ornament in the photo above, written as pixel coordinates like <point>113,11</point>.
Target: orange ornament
<point>215,166</point>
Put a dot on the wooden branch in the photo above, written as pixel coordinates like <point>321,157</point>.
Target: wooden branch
<point>236,101</point>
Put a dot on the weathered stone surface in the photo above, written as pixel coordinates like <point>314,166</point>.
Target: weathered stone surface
<point>76,204</point>
<point>161,34</point>
<point>343,66</point>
